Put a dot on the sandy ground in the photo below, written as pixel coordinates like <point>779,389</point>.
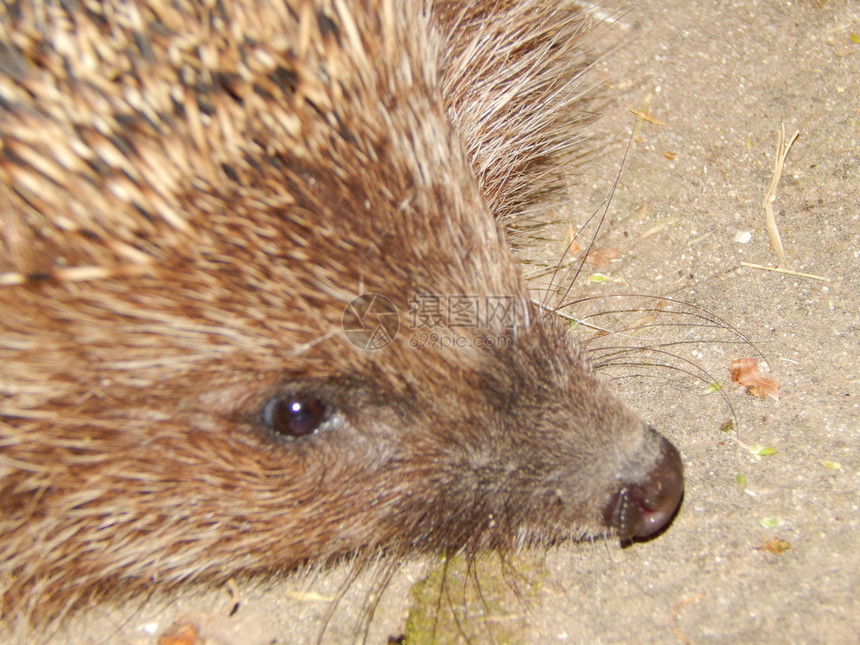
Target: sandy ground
<point>721,77</point>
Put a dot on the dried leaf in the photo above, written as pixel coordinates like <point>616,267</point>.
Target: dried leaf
<point>572,244</point>
<point>775,546</point>
<point>601,257</point>
<point>745,372</point>
<point>181,635</point>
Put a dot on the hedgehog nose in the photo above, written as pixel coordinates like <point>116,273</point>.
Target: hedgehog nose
<point>641,508</point>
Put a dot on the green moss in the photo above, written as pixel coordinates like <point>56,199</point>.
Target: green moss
<point>475,600</point>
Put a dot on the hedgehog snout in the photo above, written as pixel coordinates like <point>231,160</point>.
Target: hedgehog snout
<point>644,505</point>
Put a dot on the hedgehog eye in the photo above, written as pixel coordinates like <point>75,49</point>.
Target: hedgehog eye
<point>294,416</point>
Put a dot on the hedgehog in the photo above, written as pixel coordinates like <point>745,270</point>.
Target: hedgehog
<point>258,301</point>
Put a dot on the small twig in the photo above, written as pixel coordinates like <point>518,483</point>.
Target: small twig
<point>782,149</point>
<point>811,276</point>
<point>642,114</point>
<point>673,617</point>
<point>637,127</point>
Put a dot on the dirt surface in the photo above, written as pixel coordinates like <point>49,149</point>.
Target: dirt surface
<point>721,77</point>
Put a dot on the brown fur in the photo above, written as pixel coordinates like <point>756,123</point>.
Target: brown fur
<point>191,195</point>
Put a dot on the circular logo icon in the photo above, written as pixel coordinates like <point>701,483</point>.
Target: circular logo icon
<point>370,321</point>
